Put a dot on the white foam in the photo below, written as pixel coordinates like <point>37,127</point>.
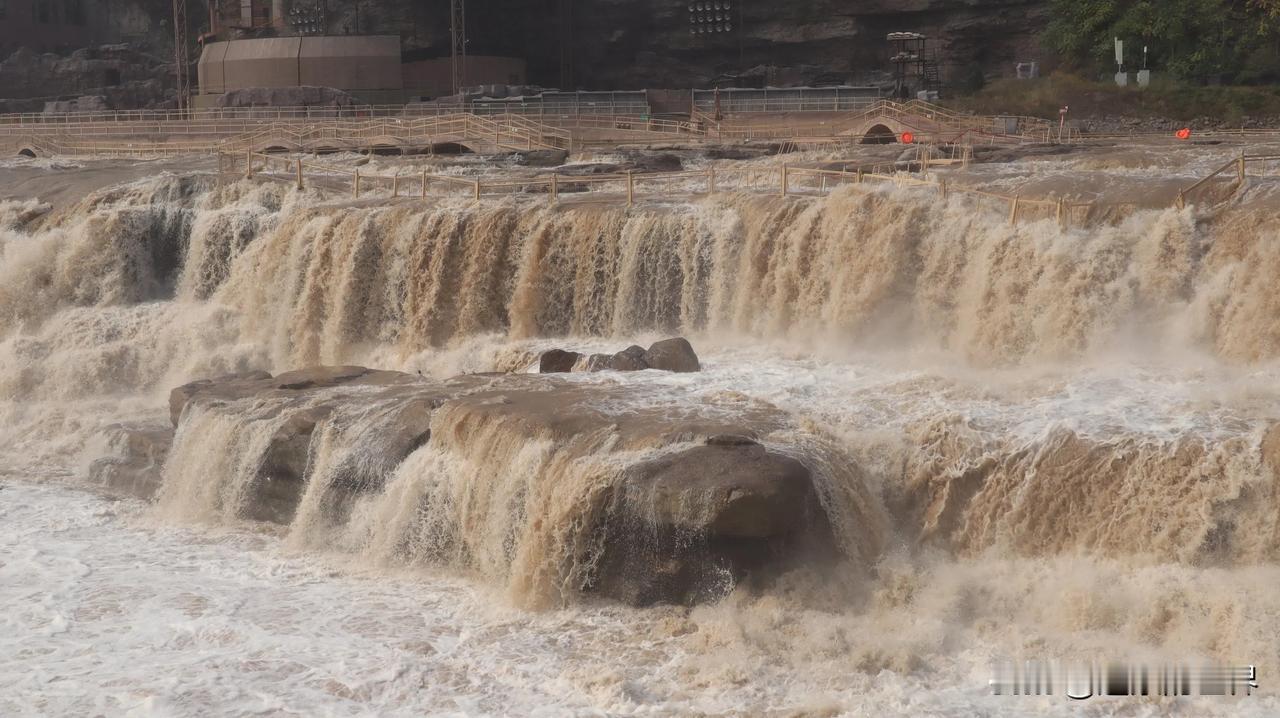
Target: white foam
<point>106,613</point>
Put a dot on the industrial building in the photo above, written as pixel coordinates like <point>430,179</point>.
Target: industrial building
<point>368,67</point>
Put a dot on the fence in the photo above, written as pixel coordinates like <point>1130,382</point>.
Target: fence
<point>800,99</point>
<point>505,132</point>
<point>781,181</point>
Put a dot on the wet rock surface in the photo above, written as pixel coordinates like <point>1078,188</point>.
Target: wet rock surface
<point>680,506</point>
<point>557,361</point>
<point>138,455</point>
<point>673,355</point>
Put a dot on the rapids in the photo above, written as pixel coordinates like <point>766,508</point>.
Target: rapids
<point>1069,436</point>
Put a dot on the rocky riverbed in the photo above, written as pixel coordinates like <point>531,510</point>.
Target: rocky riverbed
<point>660,505</point>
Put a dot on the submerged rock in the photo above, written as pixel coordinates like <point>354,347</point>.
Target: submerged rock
<point>542,158</point>
<point>555,487</point>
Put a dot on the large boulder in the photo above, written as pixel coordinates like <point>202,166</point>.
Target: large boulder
<point>674,355</point>
<point>686,526</point>
<point>557,361</point>
<point>629,359</point>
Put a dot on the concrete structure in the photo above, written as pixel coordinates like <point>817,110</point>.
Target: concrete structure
<point>48,25</point>
<point>366,66</point>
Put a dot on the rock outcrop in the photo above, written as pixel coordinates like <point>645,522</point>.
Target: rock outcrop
<point>673,355</point>
<point>655,505</point>
<point>301,96</point>
<point>115,76</point>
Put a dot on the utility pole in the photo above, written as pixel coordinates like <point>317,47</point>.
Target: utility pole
<point>182,67</point>
<point>458,29</point>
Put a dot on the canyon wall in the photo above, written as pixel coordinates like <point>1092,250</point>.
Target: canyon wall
<point>616,44</point>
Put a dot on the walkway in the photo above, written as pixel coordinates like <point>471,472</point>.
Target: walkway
<point>145,134</point>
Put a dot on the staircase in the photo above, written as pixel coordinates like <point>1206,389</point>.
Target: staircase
<point>932,75</point>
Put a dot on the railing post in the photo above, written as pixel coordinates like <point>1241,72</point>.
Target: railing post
<point>711,180</point>
<point>631,188</point>
<point>248,164</point>
<point>299,168</point>
<point>477,188</point>
<point>785,179</point>
<point>1240,168</point>
<point>942,188</point>
<point>1062,213</point>
<point>555,187</point>
<point>395,185</point>
<point>859,175</point>
<point>355,186</point>
<point>1013,210</point>
<point>424,184</point>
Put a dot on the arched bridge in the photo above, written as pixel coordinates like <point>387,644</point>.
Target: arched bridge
<point>149,134</point>
<point>457,132</point>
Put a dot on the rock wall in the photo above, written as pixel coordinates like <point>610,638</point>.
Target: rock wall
<point>647,43</point>
<point>617,44</point>
<point>105,77</point>
<point>633,44</point>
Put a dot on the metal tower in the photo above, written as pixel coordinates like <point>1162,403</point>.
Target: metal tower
<point>458,28</point>
<point>182,67</point>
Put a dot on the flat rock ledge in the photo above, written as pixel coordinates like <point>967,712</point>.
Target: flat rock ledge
<point>697,505</point>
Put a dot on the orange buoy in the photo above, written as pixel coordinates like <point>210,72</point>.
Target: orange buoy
<point>1184,133</point>
<point>908,138</point>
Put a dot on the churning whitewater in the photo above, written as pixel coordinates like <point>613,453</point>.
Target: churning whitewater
<point>1024,441</point>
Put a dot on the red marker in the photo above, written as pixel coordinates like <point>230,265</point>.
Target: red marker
<point>908,138</point>
<point>1184,133</point>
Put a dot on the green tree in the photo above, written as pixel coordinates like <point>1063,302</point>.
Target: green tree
<point>1191,39</point>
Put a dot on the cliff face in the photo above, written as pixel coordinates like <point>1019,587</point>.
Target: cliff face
<point>634,44</point>
<point>648,43</point>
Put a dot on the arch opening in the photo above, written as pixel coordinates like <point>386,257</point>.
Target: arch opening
<point>275,150</point>
<point>450,148</point>
<point>27,152</point>
<point>385,150</point>
<point>879,135</point>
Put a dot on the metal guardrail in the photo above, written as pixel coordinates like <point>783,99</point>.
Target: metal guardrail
<point>200,131</point>
<point>782,181</point>
<point>138,140</point>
